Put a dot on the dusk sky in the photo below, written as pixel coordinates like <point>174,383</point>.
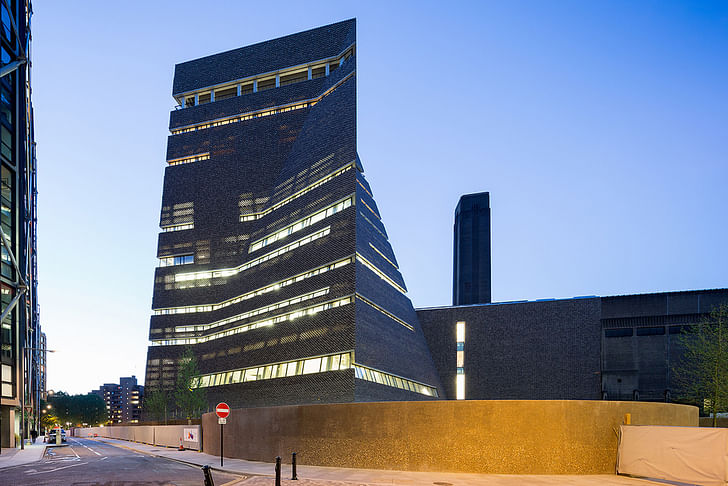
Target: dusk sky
<point>599,128</point>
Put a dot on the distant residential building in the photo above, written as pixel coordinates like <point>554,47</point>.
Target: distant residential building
<point>123,400</point>
<point>471,250</point>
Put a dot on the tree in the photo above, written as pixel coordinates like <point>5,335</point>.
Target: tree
<point>77,409</point>
<point>703,372</point>
<point>156,404</point>
<point>190,399</point>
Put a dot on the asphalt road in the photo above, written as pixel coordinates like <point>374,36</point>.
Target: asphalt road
<point>87,462</point>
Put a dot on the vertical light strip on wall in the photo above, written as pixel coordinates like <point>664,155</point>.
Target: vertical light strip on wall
<point>460,376</point>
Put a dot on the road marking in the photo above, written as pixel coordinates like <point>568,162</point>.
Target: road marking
<point>103,458</point>
<point>58,468</point>
<point>87,447</point>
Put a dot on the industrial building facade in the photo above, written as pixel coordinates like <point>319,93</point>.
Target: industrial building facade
<point>275,267</point>
<point>589,348</point>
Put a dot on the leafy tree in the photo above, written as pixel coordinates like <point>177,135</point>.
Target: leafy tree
<point>77,409</point>
<point>156,405</point>
<point>703,372</point>
<point>190,399</point>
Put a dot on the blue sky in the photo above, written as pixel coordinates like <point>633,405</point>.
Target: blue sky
<point>599,128</point>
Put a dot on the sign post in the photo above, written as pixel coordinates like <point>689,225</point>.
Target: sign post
<point>222,410</point>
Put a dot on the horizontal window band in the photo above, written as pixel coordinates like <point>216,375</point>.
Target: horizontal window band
<point>260,113</point>
<point>365,189</point>
<point>388,379</point>
<point>385,312</point>
<point>306,311</point>
<point>189,159</point>
<point>380,273</point>
<point>254,312</point>
<point>373,225</point>
<point>370,209</point>
<point>282,369</point>
<point>302,223</point>
<point>178,227</point>
<point>172,260</point>
<point>250,79</point>
<point>228,272</point>
<point>383,256</point>
<point>309,188</point>
<point>254,293</point>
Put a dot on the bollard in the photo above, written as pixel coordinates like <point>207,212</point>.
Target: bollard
<point>293,467</point>
<point>208,475</point>
<point>278,471</point>
<point>627,419</point>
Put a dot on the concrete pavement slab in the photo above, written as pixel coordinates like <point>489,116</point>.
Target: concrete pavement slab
<point>17,457</point>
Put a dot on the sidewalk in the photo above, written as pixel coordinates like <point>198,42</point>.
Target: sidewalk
<point>262,473</point>
<point>16,457</point>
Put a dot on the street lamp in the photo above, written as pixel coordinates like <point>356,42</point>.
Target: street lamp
<point>22,393</point>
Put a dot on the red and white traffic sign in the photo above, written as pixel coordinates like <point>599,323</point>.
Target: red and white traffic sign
<point>222,410</point>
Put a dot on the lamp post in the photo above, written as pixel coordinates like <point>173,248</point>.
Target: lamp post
<point>22,392</point>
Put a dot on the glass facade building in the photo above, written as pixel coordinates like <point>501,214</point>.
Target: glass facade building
<point>21,342</point>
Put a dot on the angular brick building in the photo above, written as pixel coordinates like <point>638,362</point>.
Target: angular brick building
<point>275,267</point>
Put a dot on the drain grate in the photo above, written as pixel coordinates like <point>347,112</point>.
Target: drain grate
<point>442,483</point>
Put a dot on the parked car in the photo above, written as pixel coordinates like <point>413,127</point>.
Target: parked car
<point>52,436</point>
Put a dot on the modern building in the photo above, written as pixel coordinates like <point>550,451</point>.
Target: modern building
<point>123,400</point>
<point>471,250</point>
<point>21,349</point>
<point>275,268</point>
<point>274,265</point>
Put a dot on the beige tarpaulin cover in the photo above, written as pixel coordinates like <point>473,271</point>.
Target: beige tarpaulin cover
<point>686,454</point>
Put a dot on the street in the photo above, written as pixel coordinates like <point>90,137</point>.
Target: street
<point>87,462</point>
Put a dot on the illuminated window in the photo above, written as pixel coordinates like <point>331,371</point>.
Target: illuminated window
<point>229,272</point>
<point>307,311</point>
<point>176,260</point>
<point>276,370</point>
<point>248,216</point>
<point>387,379</point>
<point>189,159</point>
<point>224,93</point>
<point>301,224</point>
<point>380,273</point>
<point>254,312</point>
<point>460,358</point>
<point>262,84</point>
<point>263,290</point>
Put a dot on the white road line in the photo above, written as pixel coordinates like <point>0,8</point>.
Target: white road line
<point>87,447</point>
<point>105,457</point>
<point>58,468</point>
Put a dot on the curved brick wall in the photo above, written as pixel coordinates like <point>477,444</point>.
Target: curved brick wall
<point>478,436</point>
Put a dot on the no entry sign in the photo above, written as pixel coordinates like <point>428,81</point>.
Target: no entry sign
<point>222,410</point>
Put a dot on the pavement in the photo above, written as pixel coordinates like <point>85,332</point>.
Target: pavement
<point>263,474</point>
<point>17,457</point>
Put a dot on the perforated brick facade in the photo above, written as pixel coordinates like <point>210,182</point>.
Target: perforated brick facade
<point>275,266</point>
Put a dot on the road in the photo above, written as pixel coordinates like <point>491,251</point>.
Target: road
<point>87,462</point>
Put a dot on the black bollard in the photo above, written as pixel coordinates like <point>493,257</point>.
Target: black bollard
<point>278,471</point>
<point>293,467</point>
<point>208,475</point>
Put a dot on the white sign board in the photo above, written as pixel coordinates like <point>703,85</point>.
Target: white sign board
<point>221,421</point>
<point>191,435</point>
